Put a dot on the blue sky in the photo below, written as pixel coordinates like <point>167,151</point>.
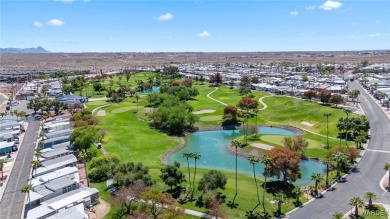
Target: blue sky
<point>183,25</point>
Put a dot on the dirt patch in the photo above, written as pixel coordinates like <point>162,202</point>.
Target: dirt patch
<point>262,146</point>
<point>102,209</point>
<point>203,111</point>
<point>101,113</point>
<point>307,124</point>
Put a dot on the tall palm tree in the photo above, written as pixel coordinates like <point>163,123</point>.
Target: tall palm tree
<point>347,112</point>
<point>339,158</point>
<point>26,189</point>
<point>187,155</point>
<point>266,160</point>
<point>317,177</point>
<point>236,144</point>
<point>137,99</point>
<point>370,196</point>
<point>2,162</point>
<point>337,215</point>
<point>356,202</point>
<point>387,168</point>
<point>327,128</point>
<point>196,157</point>
<point>36,164</point>
<point>254,160</point>
<point>327,162</point>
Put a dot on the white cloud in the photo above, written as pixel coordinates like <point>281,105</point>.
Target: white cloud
<point>204,34</point>
<point>37,24</point>
<point>330,5</point>
<point>378,34</point>
<point>55,22</point>
<point>294,13</point>
<point>310,7</point>
<point>64,1</point>
<point>165,17</point>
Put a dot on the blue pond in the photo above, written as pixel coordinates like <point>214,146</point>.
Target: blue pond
<point>211,145</point>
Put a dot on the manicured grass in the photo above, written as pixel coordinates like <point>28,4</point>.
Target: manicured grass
<point>278,139</point>
<point>292,111</point>
<point>133,140</point>
<point>376,212</point>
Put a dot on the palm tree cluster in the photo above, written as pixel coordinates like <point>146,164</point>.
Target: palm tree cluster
<point>196,156</point>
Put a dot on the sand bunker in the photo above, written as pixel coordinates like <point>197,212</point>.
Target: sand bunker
<point>262,146</point>
<point>101,113</point>
<point>203,111</point>
<point>307,124</point>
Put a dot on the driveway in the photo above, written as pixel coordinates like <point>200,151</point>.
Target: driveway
<point>369,170</point>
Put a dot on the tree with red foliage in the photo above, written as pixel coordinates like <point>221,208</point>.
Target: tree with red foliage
<point>284,162</point>
<point>230,114</point>
<point>310,94</point>
<point>336,99</point>
<point>324,95</point>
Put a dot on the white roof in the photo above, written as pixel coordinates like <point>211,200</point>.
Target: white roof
<point>54,175</point>
<point>35,196</point>
<point>75,212</point>
<point>4,144</point>
<point>69,200</point>
<point>59,162</point>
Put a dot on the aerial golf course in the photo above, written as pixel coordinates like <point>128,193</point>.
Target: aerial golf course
<point>130,136</point>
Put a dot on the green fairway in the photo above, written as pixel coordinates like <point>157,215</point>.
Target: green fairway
<point>284,110</point>
<point>131,138</point>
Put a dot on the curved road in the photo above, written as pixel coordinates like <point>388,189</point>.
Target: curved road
<point>369,170</point>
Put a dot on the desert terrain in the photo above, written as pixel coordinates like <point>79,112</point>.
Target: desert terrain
<point>96,62</point>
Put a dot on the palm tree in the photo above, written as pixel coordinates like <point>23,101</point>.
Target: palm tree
<point>236,144</point>
<point>2,162</point>
<point>327,128</point>
<point>16,113</point>
<point>317,177</point>
<point>36,164</point>
<point>337,215</point>
<point>370,196</point>
<point>26,189</point>
<point>327,162</point>
<point>346,111</point>
<point>136,99</point>
<point>340,159</point>
<point>266,160</point>
<point>356,202</point>
<point>196,157</point>
<point>297,191</point>
<point>253,160</point>
<point>38,153</point>
<point>387,168</point>
<point>187,155</point>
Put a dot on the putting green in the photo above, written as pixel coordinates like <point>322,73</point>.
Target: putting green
<point>278,139</point>
<point>124,109</point>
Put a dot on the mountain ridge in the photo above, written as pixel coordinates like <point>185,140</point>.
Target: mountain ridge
<point>38,49</point>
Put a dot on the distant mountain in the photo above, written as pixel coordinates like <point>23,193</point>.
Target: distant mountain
<point>23,50</point>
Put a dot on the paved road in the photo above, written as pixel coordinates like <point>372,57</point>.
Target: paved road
<point>11,206</point>
<point>369,171</point>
